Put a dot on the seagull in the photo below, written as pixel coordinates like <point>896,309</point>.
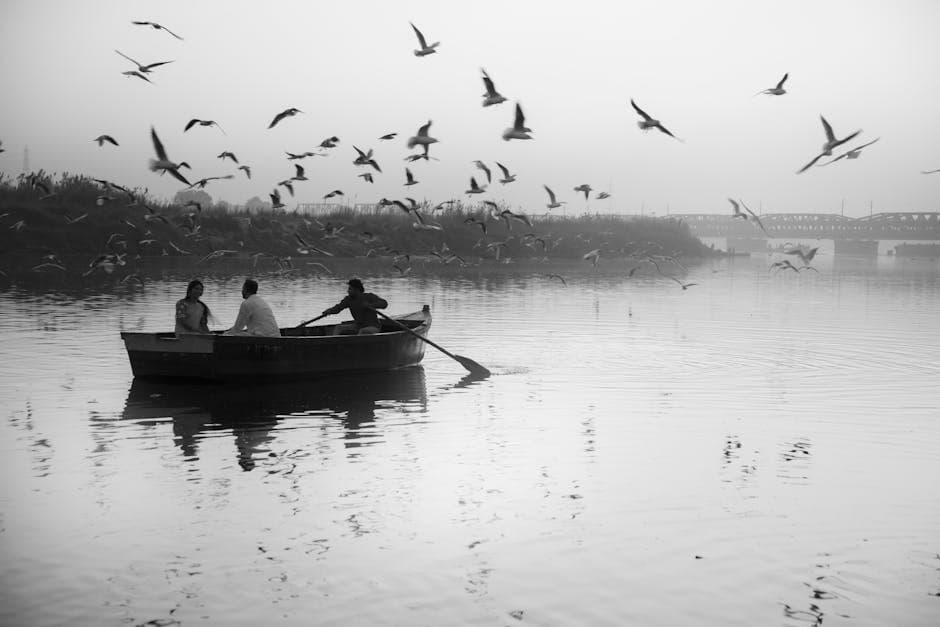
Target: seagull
<point>143,69</point>
<point>470,221</point>
<point>754,218</point>
<point>246,170</point>
<point>474,188</point>
<point>306,249</point>
<point>425,48</point>
<point>854,153</point>
<point>507,177</point>
<point>367,176</point>
<point>223,156</point>
<point>647,122</point>
<point>421,225</point>
<point>196,121</point>
<point>593,255</point>
<point>506,215</point>
<point>335,192</point>
<point>409,178</point>
<point>162,162</point>
<point>519,129</point>
<point>584,188</point>
<point>365,158</point>
<point>482,166</point>
<point>299,173</point>
<point>806,257</point>
<point>284,114</point>
<point>559,277</point>
<point>422,138</point>
<point>602,195</point>
<point>329,142</point>
<point>929,171</point>
<point>491,97</point>
<point>684,286</point>
<point>303,155</point>
<point>388,136</point>
<point>552,204</point>
<point>831,142</point>
<point>276,199</point>
<point>101,139</point>
<point>158,27</point>
<point>288,185</point>
<point>784,265</point>
<point>778,90</point>
<point>201,183</point>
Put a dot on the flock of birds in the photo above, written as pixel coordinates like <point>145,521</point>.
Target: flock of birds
<point>422,140</point>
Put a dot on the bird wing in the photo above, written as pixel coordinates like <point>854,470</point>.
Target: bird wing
<point>151,65</point>
<point>842,156</point>
<point>423,131</point>
<point>783,80</point>
<point>504,169</point>
<point>642,113</point>
<point>299,169</point>
<point>520,118</point>
<point>277,118</point>
<point>128,58</point>
<point>810,164</point>
<point>551,194</point>
<point>830,136</point>
<point>421,41</point>
<point>158,145</point>
<point>665,130</point>
<point>190,124</point>
<point>488,83</point>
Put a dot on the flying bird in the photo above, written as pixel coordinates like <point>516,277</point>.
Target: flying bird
<point>831,142</point>
<point>101,139</point>
<point>684,286</point>
<point>929,171</point>
<point>246,170</point>
<point>854,153</point>
<point>422,138</point>
<point>196,121</point>
<point>778,90</point>
<point>806,257</point>
<point>156,26</point>
<point>276,199</point>
<point>475,188</point>
<point>409,178</point>
<point>752,216</point>
<point>162,163</point>
<point>647,122</point>
<point>584,188</point>
<point>388,136</point>
<point>365,158</point>
<point>518,129</point>
<point>143,69</point>
<point>507,177</point>
<point>335,192</point>
<point>227,155</point>
<point>552,203</point>
<point>602,195</point>
<point>491,97</point>
<point>486,170</point>
<point>286,113</point>
<point>559,277</point>
<point>424,49</point>
<point>329,142</point>
<point>367,176</point>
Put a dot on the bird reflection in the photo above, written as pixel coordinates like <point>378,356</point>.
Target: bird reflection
<point>253,412</point>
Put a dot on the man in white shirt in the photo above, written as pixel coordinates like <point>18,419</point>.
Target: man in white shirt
<point>254,316</point>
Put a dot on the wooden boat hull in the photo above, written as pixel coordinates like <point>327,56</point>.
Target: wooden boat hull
<point>299,353</point>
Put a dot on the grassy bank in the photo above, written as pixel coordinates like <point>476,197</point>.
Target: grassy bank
<point>77,216</point>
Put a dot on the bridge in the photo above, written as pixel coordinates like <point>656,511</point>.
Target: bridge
<point>921,225</point>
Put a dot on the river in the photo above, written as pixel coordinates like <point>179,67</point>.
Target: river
<point>761,448</point>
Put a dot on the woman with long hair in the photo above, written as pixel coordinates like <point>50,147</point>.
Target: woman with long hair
<point>192,315</point>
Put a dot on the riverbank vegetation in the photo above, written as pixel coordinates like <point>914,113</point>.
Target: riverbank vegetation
<point>45,218</point>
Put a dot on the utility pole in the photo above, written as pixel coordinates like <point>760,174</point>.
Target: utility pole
<point>843,207</point>
<point>26,160</point>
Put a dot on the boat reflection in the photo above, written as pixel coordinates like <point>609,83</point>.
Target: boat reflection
<point>251,412</point>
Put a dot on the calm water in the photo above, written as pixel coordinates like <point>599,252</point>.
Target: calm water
<point>759,449</point>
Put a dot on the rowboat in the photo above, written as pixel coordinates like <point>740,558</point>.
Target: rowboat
<point>299,353</point>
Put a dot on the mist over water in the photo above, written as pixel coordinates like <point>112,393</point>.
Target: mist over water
<point>758,449</point>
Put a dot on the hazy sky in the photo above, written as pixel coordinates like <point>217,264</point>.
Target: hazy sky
<point>573,66</point>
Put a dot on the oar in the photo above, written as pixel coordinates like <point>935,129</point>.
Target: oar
<point>472,366</point>
<point>303,324</point>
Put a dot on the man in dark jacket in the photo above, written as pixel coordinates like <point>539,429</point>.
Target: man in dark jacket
<point>362,306</point>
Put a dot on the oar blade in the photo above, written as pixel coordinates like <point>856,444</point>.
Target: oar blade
<point>472,367</point>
